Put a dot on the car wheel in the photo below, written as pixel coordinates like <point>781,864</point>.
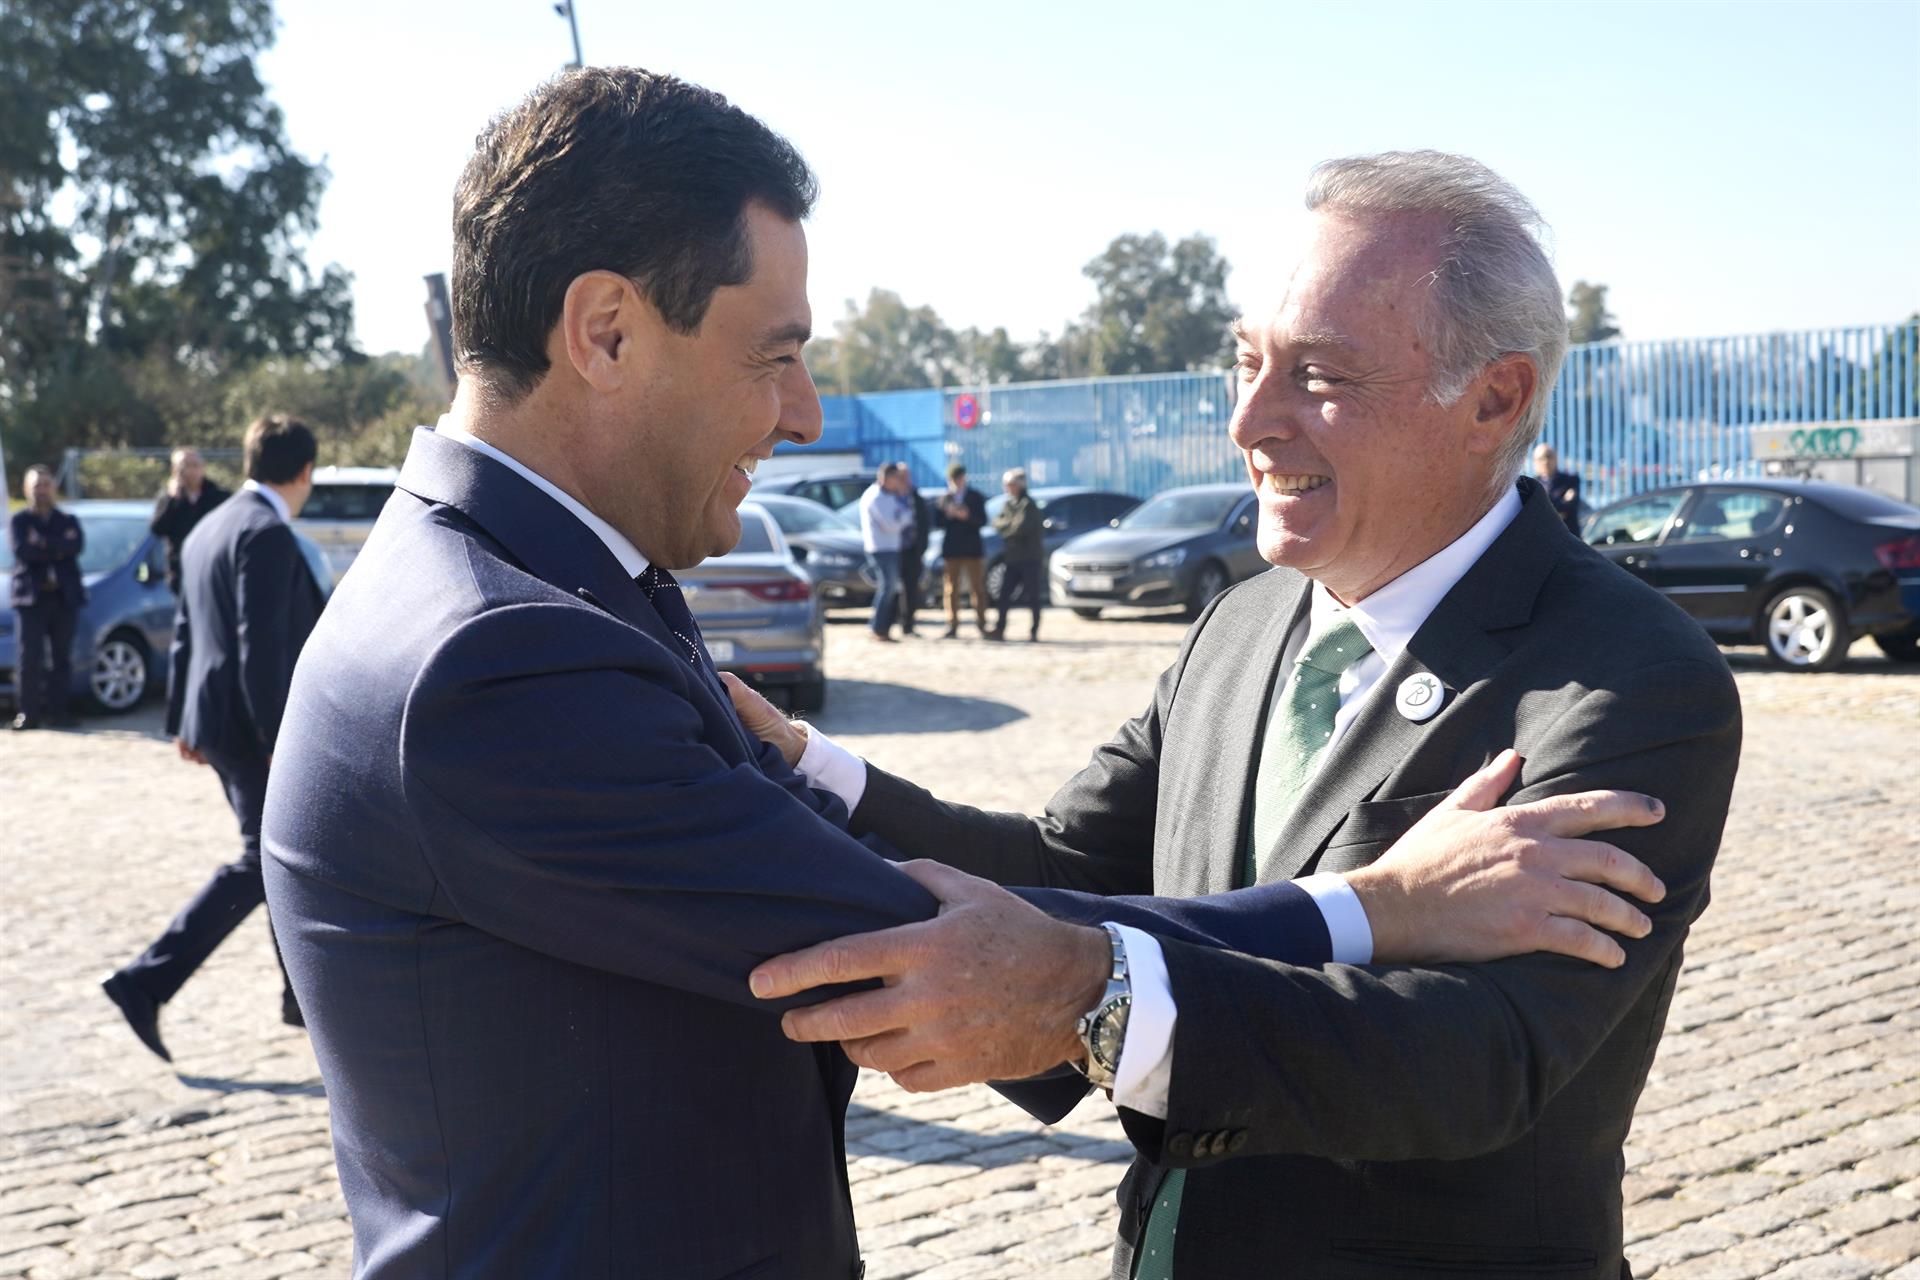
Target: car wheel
<point>120,673</point>
<point>996,580</point>
<point>1806,630</point>
<point>809,695</point>
<point>1901,646</point>
<point>1085,613</point>
<point>1208,583</point>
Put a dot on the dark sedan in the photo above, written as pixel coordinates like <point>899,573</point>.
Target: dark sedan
<point>126,626</point>
<point>1798,566</point>
<point>1182,547</point>
<point>828,544</point>
<point>758,612</point>
<point>1067,512</point>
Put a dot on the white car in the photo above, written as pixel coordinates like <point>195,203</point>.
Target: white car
<point>342,508</point>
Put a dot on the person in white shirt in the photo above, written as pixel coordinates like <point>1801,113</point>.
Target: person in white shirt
<point>886,517</point>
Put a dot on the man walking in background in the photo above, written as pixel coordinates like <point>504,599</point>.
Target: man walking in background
<point>47,593</point>
<point>913,550</point>
<point>885,519</point>
<point>1024,554</point>
<point>247,604</point>
<point>188,497</point>
<point>962,514</point>
<point>1563,487</point>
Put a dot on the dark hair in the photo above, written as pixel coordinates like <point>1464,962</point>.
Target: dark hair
<point>956,470</point>
<point>278,447</point>
<point>614,169</point>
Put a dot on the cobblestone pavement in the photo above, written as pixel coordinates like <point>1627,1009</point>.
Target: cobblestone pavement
<point>1780,1134</point>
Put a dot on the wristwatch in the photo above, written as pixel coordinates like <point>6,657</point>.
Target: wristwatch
<point>1103,1028</point>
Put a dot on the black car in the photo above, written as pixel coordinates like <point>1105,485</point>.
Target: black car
<point>828,544</point>
<point>1182,547</point>
<point>1066,512</point>
<point>833,489</point>
<point>1796,565</point>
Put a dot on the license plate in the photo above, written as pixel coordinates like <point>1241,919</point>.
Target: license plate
<point>1093,582</point>
<point>721,651</point>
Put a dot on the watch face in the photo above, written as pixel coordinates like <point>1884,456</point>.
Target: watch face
<point>1109,1032</point>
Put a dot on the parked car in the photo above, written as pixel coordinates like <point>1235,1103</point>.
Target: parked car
<point>833,489</point>
<point>758,612</point>
<point>1182,547</point>
<point>1067,511</point>
<point>1798,566</point>
<point>341,510</point>
<point>828,544</point>
<point>126,627</point>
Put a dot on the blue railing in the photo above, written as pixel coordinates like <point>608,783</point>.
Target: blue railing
<point>1627,415</point>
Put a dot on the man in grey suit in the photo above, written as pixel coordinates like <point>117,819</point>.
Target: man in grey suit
<point>1357,1120</point>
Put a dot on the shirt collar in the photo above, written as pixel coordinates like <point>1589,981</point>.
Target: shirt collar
<point>274,500</point>
<point>1390,616</point>
<point>624,551</point>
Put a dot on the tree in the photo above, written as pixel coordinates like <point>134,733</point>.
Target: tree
<point>1158,309</point>
<point>885,346</point>
<point>1590,321</point>
<point>152,213</point>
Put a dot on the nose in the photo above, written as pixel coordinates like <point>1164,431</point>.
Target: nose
<point>801,418</point>
<point>1263,412</point>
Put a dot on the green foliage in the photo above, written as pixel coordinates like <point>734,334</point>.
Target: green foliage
<point>152,214</point>
<point>1158,309</point>
<point>1590,321</point>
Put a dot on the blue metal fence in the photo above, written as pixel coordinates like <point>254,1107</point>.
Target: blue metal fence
<point>1627,415</point>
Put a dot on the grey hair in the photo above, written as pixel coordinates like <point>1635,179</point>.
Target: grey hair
<point>1494,292</point>
<point>1014,473</point>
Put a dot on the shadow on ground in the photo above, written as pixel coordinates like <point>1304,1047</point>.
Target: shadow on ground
<point>872,1132</point>
<point>874,706</point>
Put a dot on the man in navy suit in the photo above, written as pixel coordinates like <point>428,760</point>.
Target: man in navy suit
<point>247,604</point>
<point>521,853</point>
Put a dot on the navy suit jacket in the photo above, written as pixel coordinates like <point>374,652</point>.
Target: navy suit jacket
<point>248,602</point>
<point>520,856</point>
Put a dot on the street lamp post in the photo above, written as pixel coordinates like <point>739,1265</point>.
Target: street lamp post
<point>565,9</point>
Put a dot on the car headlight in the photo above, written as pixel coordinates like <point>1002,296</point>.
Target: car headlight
<point>1165,559</point>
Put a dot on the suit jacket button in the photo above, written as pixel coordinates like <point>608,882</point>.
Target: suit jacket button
<point>1180,1146</point>
<point>1238,1140</point>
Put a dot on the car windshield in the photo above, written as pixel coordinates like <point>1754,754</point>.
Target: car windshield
<point>111,541</point>
<point>799,516</point>
<point>753,536</point>
<point>1181,511</point>
<point>346,501</point>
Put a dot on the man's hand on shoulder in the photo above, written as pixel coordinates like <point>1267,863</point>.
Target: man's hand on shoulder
<point>1473,881</point>
<point>989,989</point>
<point>764,720</point>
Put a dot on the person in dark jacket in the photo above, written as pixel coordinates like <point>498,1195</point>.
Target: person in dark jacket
<point>1563,487</point>
<point>247,604</point>
<point>913,552</point>
<point>188,497</point>
<point>962,512</point>
<point>47,592</point>
<point>1024,557</point>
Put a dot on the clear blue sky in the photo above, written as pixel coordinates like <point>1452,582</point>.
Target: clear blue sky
<point>1723,167</point>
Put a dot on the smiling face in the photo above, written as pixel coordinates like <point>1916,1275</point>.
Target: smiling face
<point>1360,476</point>
<point>677,436</point>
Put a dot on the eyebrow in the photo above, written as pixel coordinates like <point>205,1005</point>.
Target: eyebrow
<point>1310,341</point>
<point>798,332</point>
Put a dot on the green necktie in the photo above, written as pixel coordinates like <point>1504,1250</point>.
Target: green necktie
<point>1299,726</point>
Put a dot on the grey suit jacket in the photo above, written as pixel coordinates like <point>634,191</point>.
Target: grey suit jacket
<point>1394,1121</point>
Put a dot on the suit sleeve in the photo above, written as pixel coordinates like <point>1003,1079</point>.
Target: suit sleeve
<point>617,836</point>
<point>268,570</point>
<point>1096,834</point>
<point>179,657</point>
<point>1458,1060</point>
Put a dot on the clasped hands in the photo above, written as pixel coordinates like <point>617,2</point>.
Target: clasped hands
<point>991,987</point>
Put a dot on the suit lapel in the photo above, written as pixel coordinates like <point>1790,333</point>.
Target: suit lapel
<point>1241,737</point>
<point>1459,645</point>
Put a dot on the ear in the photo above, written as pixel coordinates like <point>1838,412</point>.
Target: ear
<point>601,329</point>
<point>1500,396</point>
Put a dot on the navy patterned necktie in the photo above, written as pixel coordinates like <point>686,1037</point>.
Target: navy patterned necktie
<point>668,601</point>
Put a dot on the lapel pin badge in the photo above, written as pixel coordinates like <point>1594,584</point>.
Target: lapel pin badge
<point>1420,696</point>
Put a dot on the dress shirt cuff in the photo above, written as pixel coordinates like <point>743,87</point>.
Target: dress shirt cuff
<point>1146,1058</point>
<point>1347,927</point>
<point>828,766</point>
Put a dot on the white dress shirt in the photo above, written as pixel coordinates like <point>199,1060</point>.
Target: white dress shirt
<point>624,551</point>
<point>274,500</point>
<point>1388,619</point>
